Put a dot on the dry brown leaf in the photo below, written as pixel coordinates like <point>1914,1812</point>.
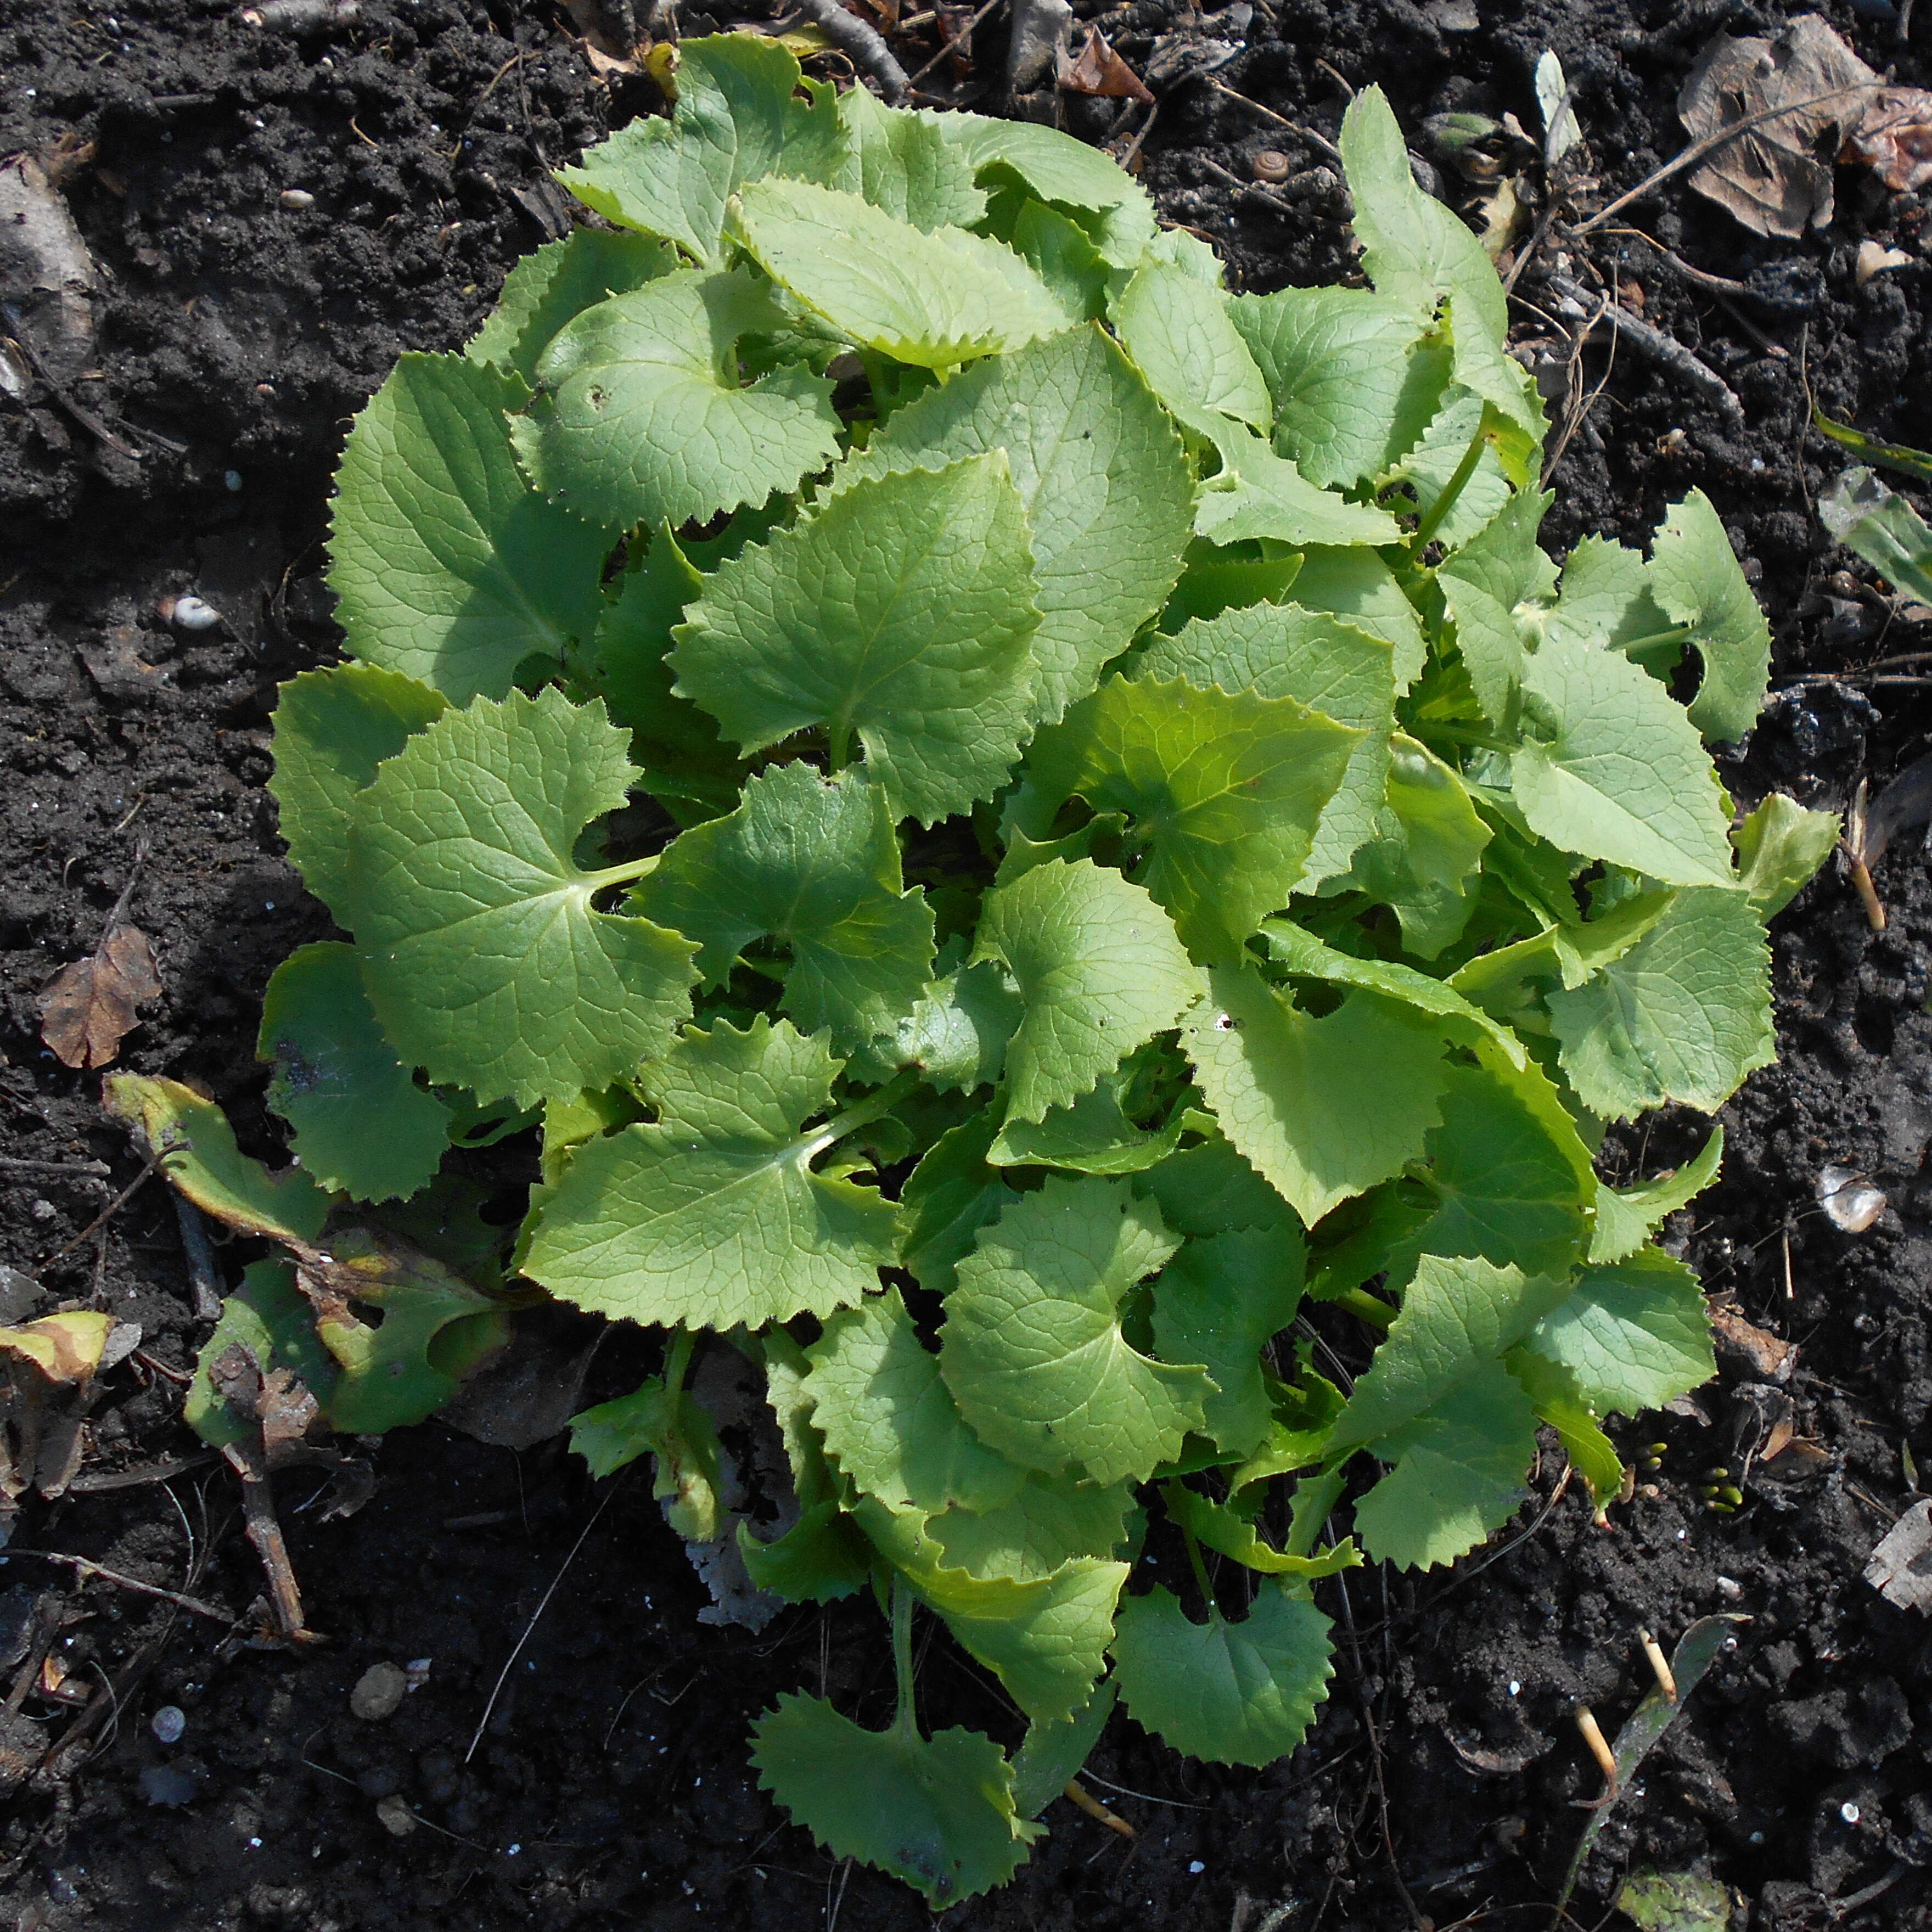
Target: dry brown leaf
<point>1772,177</point>
<point>1895,137</point>
<point>1098,70</point>
<point>89,1009</point>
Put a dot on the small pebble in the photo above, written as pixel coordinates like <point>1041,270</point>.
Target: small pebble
<point>1195,1867</point>
<point>297,199</point>
<point>416,1672</point>
<point>231,481</point>
<point>397,1819</point>
<point>168,1723</point>
<point>1730,1586</point>
<point>378,1693</point>
<point>189,614</point>
<point>1850,1812</point>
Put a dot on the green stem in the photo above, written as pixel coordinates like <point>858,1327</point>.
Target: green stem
<point>839,745</point>
<point>867,1110</point>
<point>620,875</point>
<point>1202,1583</point>
<point>677,1361</point>
<point>907,1720</point>
<point>1432,520</point>
<point>1365,1307</point>
<point>1460,734</point>
<point>1677,634</point>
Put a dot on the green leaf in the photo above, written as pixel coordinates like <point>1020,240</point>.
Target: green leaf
<point>1419,254</point>
<point>1219,1302</point>
<point>948,1198</point>
<point>903,163</point>
<point>1614,771</point>
<point>1061,253</point>
<point>1868,519</point>
<point>687,767</point>
<point>1051,1522</point>
<point>821,1558</point>
<point>1093,1135</point>
<point>1634,1335</point>
<point>197,1151</point>
<point>937,1813</point>
<point>933,299</point>
<point>448,567</point>
<point>1050,1755</point>
<point>1357,584</point>
<point>485,960</point>
<point>641,418</point>
<point>901,612</point>
<point>1425,862</point>
<point>1683,1015</point>
<point>1694,574</point>
<point>1103,476</point>
<point>1324,1108</point>
<point>1256,493</point>
<point>1282,650</point>
<point>361,1125</point>
<point>270,1317</point>
<point>1223,793</point>
<point>1231,1533</point>
<point>1032,1348</point>
<point>813,864</point>
<point>1627,1217</point>
<point>1605,601</point>
<point>1483,584</point>
<point>1433,464</point>
<point>1458,1318</point>
<point>1100,968</point>
<point>959,1029</point>
<point>1301,953</point>
<point>1512,1180</point>
<point>1350,393</point>
<point>1231,1693</point>
<point>434,1329</point>
<point>1208,1189</point>
<point>739,119</point>
<point>1061,171</point>
<point>1044,1638</point>
<point>332,730</point>
<point>1555,1399</point>
<point>888,1420</point>
<point>711,1215</point>
<point>545,290</point>
<point>679,1433</point>
<point>1458,1475</point>
<point>1181,338</point>
<point>1780,847</point>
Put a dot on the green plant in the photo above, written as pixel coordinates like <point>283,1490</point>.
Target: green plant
<point>1016,821</point>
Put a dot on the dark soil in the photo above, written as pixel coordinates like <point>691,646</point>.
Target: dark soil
<point>609,1786</point>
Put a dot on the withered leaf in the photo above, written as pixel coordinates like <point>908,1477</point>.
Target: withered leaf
<point>1098,70</point>
<point>90,1008</point>
<point>1895,138</point>
<point>1772,177</point>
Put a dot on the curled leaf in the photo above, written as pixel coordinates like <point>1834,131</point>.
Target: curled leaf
<point>89,1009</point>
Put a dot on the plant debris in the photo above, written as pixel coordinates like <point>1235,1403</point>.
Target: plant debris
<point>1851,1203</point>
<point>91,1006</point>
<point>1099,71</point>
<point>1900,1569</point>
<point>1772,176</point>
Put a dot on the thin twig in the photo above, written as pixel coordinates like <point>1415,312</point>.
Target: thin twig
<point>97,1482</point>
<point>203,1279</point>
<point>85,417</point>
<point>1697,150</point>
<point>108,1213</point>
<point>509,1662</point>
<point>1665,349</point>
<point>954,46</point>
<point>1307,134</point>
<point>88,1567</point>
<point>863,43</point>
<point>79,1170</point>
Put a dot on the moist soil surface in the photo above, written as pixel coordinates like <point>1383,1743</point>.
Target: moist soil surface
<point>274,213</point>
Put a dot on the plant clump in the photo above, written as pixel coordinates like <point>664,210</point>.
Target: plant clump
<point>1010,822</point>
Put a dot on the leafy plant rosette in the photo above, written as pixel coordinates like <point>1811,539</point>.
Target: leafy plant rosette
<point>1011,819</point>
